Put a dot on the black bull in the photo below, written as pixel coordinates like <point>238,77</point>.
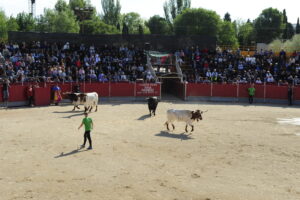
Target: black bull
<point>152,105</point>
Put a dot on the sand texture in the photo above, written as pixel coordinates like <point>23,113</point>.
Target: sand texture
<point>237,152</point>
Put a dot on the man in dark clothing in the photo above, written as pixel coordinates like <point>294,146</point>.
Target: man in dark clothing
<point>290,95</point>
<point>30,95</point>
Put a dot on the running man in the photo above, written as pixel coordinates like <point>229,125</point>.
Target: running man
<point>88,125</point>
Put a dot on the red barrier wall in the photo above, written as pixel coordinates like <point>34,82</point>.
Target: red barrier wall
<point>42,96</point>
<point>122,89</point>
<point>195,89</point>
<point>224,90</point>
<point>230,90</point>
<point>276,92</point>
<point>101,88</point>
<point>17,93</point>
<point>259,91</point>
<point>147,89</point>
<point>296,92</point>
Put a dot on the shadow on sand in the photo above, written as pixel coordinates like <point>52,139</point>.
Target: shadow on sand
<point>62,154</point>
<point>77,113</point>
<point>143,117</point>
<point>181,136</point>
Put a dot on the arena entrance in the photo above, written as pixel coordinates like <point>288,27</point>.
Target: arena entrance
<point>165,68</point>
<point>172,87</point>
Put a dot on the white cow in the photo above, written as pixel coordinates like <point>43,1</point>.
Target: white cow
<point>186,116</point>
<point>89,100</point>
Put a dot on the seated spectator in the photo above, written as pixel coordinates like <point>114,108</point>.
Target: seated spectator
<point>258,81</point>
<point>102,77</point>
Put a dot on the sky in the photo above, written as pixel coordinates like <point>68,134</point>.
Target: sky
<point>238,9</point>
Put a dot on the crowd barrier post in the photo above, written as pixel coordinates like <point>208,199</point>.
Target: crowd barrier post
<point>211,89</point>
<point>237,92</point>
<point>134,89</point>
<point>109,89</point>
<point>185,86</point>
<point>265,92</point>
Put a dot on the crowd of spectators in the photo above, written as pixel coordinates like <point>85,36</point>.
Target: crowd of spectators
<point>45,62</point>
<point>54,62</point>
<point>233,67</point>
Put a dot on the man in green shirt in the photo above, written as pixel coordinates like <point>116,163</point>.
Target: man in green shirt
<point>251,92</point>
<point>88,125</point>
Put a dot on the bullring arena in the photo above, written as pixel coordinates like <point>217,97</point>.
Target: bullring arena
<point>237,152</point>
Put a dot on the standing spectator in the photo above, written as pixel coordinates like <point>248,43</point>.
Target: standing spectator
<point>251,92</point>
<point>30,95</point>
<point>5,91</point>
<point>290,94</point>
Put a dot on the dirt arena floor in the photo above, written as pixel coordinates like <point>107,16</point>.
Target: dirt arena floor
<point>238,152</point>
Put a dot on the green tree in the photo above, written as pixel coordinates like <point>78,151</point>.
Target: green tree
<point>268,26</point>
<point>12,24</point>
<point>289,31</point>
<point>133,21</point>
<point>111,11</point>
<point>79,4</point>
<point>125,30</point>
<point>61,6</point>
<point>25,22</point>
<point>298,27</point>
<point>158,25</point>
<point>61,19</point>
<point>97,26</point>
<point>227,17</point>
<point>197,21</point>
<point>227,34</point>
<point>172,8</point>
<point>245,33</point>
<point>3,25</point>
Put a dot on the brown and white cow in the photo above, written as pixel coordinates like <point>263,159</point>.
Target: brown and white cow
<point>87,99</point>
<point>186,116</point>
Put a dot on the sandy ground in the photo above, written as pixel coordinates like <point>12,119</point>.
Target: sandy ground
<point>238,152</point>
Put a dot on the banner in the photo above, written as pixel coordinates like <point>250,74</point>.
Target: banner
<point>147,89</point>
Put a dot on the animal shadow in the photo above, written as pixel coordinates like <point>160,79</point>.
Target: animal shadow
<point>144,117</point>
<point>62,154</point>
<point>75,111</point>
<point>181,136</point>
<point>70,116</point>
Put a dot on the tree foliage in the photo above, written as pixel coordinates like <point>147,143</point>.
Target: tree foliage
<point>197,21</point>
<point>97,26</point>
<point>268,26</point>
<point>25,22</point>
<point>227,34</point>
<point>133,21</point>
<point>227,17</point>
<point>158,25</point>
<point>79,4</point>
<point>172,8</point>
<point>111,11</point>
<point>245,33</point>
<point>3,26</point>
<point>12,24</point>
<point>61,19</point>
<point>289,45</point>
<point>298,27</point>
